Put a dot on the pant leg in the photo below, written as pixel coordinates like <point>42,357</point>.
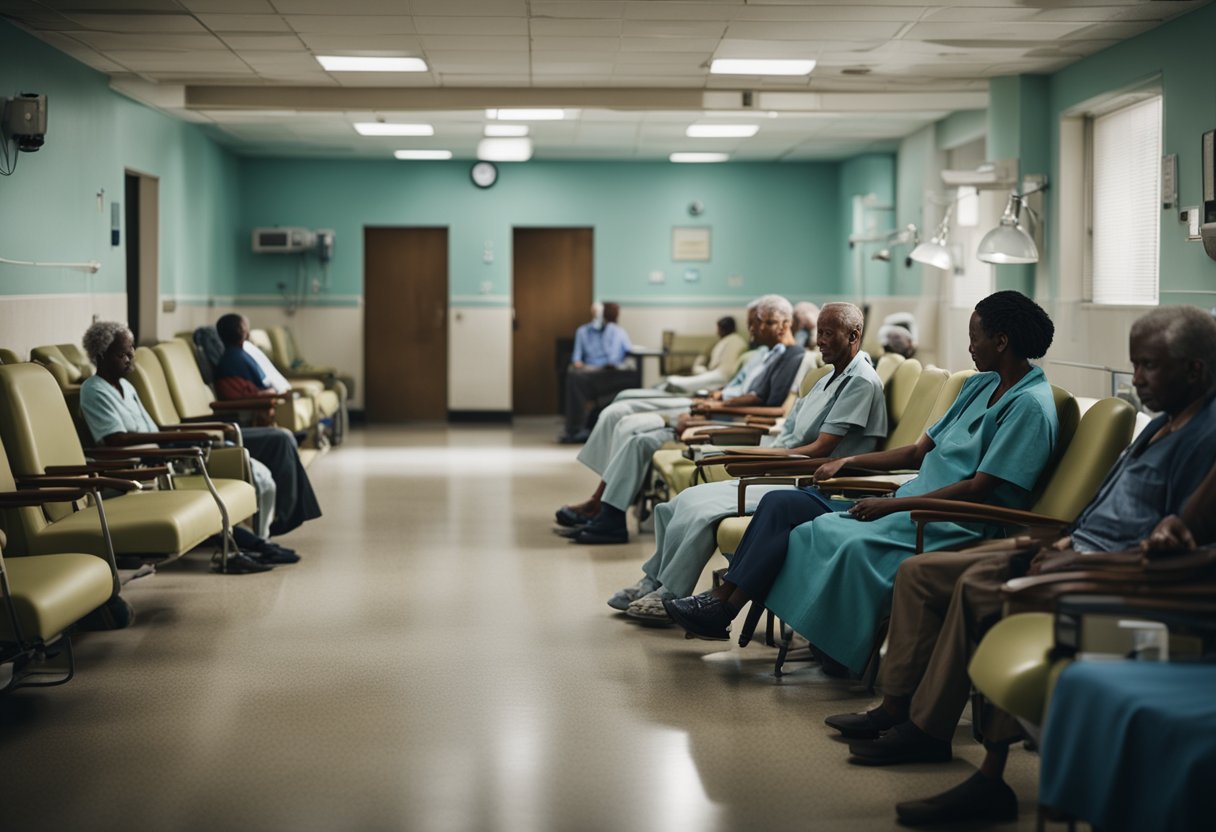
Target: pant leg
<point>762,551</point>
<point>625,474</point>
<point>938,702</point>
<point>597,452</point>
<point>578,395</point>
<point>295,501</point>
<point>711,379</point>
<point>924,586</point>
<point>689,528</point>
<point>263,484</point>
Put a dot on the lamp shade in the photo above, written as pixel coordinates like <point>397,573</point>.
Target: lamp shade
<point>1007,244</point>
<point>934,254</point>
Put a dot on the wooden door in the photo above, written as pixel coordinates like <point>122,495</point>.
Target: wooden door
<point>405,323</point>
<point>553,276</point>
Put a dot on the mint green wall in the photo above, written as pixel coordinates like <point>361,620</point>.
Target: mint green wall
<point>49,205</point>
<point>776,225</point>
<point>1180,53</point>
<point>860,176</point>
<point>920,161</point>
<point>960,128</point>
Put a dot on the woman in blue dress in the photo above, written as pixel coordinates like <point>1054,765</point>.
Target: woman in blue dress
<point>831,578</point>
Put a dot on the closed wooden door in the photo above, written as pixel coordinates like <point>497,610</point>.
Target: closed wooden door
<point>405,315</point>
<point>553,277</point>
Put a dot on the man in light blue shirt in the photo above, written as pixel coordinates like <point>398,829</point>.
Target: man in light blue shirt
<point>597,370</point>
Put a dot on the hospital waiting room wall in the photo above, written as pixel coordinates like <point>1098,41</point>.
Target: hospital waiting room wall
<point>57,204</point>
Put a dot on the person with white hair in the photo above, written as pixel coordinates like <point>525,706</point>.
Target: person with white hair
<point>806,318</point>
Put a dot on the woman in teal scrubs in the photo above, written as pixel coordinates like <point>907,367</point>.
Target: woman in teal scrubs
<point>991,446</point>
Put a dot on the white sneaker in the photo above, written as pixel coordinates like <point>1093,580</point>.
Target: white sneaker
<point>650,606</point>
<point>622,598</point>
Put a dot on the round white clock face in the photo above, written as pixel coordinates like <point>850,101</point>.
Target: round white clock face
<point>484,174</point>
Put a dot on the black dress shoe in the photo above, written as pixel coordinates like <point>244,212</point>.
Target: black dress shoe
<point>273,555</point>
<point>596,535</point>
<point>703,616</point>
<point>976,798</point>
<point>570,518</point>
<point>863,726</point>
<point>239,564</point>
<point>905,743</point>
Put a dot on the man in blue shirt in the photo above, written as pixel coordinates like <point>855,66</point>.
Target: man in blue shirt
<point>597,371</point>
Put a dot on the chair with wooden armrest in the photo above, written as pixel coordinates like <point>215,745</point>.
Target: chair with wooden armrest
<point>41,598</point>
<point>285,353</point>
<point>193,399</point>
<point>155,525</point>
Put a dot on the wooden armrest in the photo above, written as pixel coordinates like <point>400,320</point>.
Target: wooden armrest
<point>90,483</point>
<point>862,484</point>
<point>741,507</point>
<point>39,497</point>
<point>982,512</point>
<point>774,466</point>
<point>228,428</point>
<point>144,453</point>
<point>746,455</point>
<point>265,403</point>
<point>767,421</point>
<point>728,410</point>
<point>95,466</point>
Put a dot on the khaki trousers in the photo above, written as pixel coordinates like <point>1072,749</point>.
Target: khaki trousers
<point>943,603</point>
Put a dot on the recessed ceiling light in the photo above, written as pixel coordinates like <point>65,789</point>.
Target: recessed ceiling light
<point>699,157</point>
<point>348,63</point>
<point>501,130</point>
<point>721,131</point>
<point>528,114</point>
<point>747,66</point>
<point>422,154</point>
<point>504,150</point>
<point>379,128</point>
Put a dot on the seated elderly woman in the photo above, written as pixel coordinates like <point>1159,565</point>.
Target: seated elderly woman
<point>116,416</point>
<point>831,578</point>
<point>844,413</point>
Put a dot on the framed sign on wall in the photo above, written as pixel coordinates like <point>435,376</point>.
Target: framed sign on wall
<point>690,243</point>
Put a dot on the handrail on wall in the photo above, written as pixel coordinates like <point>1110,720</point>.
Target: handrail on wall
<point>89,267</point>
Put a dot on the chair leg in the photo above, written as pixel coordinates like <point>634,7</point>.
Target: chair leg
<point>769,622</point>
<point>749,623</point>
<point>783,649</point>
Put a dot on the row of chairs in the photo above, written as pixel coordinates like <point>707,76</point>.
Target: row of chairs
<point>71,514</point>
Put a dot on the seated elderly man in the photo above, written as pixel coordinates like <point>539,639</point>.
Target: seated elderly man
<point>598,369</point>
<point>944,600</point>
<point>115,416</point>
<point>639,411</point>
<point>806,316</point>
<point>626,471</point>
<point>844,413</point>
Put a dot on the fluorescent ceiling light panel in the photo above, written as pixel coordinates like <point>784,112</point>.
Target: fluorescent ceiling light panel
<point>506,130</point>
<point>528,114</point>
<point>721,131</point>
<point>378,128</point>
<point>346,63</point>
<point>698,157</point>
<point>504,150</point>
<point>422,154</point>
<point>747,66</point>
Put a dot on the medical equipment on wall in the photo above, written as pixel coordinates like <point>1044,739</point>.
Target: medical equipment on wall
<point>305,243</point>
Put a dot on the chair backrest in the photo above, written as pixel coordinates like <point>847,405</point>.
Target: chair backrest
<point>946,397</point>
<point>148,378</point>
<point>887,364</point>
<point>208,350</point>
<point>1101,435</point>
<point>191,395</point>
<point>915,417</point>
<point>34,420</point>
<point>76,356</point>
<point>899,389</point>
<point>747,356</point>
<point>65,372</point>
<point>261,340</point>
<point>282,348</point>
<point>813,375</point>
<point>7,356</point>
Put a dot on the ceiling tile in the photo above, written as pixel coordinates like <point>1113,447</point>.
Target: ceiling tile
<point>547,28</point>
<point>1113,31</point>
<point>577,9</point>
<point>176,62</point>
<point>244,22</point>
<point>114,42</point>
<point>833,12</point>
<point>703,46</point>
<point>469,8</point>
<point>228,6</point>
<point>814,31</point>
<point>166,23</point>
<point>577,44</point>
<point>109,5</point>
<point>371,24</point>
<point>472,25</point>
<point>680,11</point>
<point>444,43</point>
<point>349,7</point>
<point>267,43</point>
<point>671,28</point>
<point>478,61</point>
<point>363,44</point>
<point>981,30</point>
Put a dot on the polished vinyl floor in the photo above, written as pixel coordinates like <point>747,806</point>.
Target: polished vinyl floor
<point>439,661</point>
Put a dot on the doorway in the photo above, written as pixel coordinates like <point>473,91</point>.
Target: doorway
<point>142,221</point>
<point>405,324</point>
<point>553,274</point>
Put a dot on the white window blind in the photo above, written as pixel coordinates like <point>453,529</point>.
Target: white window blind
<point>1125,207</point>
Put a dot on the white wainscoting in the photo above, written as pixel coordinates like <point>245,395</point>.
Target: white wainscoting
<point>28,321</point>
